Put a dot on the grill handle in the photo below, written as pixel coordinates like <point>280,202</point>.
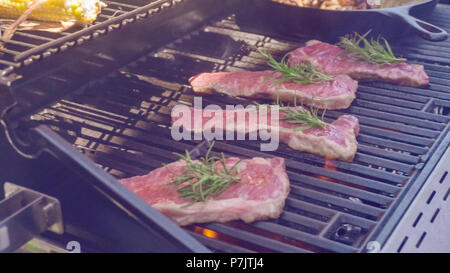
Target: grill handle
<point>110,187</point>
<point>24,214</point>
<point>427,30</point>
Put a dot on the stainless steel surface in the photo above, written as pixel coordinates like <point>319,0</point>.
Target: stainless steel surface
<point>25,213</point>
<point>425,225</point>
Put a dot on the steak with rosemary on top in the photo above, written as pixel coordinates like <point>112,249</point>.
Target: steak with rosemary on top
<point>336,94</point>
<point>333,60</point>
<point>259,193</point>
<point>336,140</point>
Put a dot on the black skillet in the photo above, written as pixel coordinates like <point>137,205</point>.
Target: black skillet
<point>330,24</point>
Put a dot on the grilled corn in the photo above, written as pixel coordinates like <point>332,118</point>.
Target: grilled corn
<point>81,11</point>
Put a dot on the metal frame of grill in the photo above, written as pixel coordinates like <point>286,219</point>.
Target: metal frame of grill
<point>121,123</point>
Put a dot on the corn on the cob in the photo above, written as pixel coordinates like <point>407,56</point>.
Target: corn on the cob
<point>82,11</point>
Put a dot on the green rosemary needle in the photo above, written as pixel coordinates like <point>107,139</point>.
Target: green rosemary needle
<point>371,51</point>
<point>307,119</point>
<point>202,179</point>
<point>302,73</point>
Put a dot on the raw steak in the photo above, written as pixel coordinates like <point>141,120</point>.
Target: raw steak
<point>336,94</point>
<point>333,60</point>
<point>260,194</point>
<point>336,141</point>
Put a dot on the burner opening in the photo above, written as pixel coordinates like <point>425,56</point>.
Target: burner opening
<point>349,231</point>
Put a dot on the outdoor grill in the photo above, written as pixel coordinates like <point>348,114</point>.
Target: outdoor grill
<point>88,106</point>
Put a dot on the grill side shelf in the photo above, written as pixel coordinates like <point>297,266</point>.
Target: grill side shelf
<point>389,221</point>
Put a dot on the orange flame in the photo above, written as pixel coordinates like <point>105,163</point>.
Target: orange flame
<point>207,232</point>
<point>330,166</point>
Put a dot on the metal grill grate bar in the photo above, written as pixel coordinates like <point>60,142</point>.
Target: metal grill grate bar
<point>255,239</point>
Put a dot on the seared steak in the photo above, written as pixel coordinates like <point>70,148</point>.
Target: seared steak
<point>333,60</point>
<point>335,141</point>
<point>337,94</point>
<point>260,194</point>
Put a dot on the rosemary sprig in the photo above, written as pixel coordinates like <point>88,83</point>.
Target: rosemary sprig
<point>307,119</point>
<point>201,180</point>
<point>302,73</point>
<point>371,51</point>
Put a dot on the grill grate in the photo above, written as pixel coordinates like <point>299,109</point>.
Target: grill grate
<point>122,124</point>
<point>26,47</point>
